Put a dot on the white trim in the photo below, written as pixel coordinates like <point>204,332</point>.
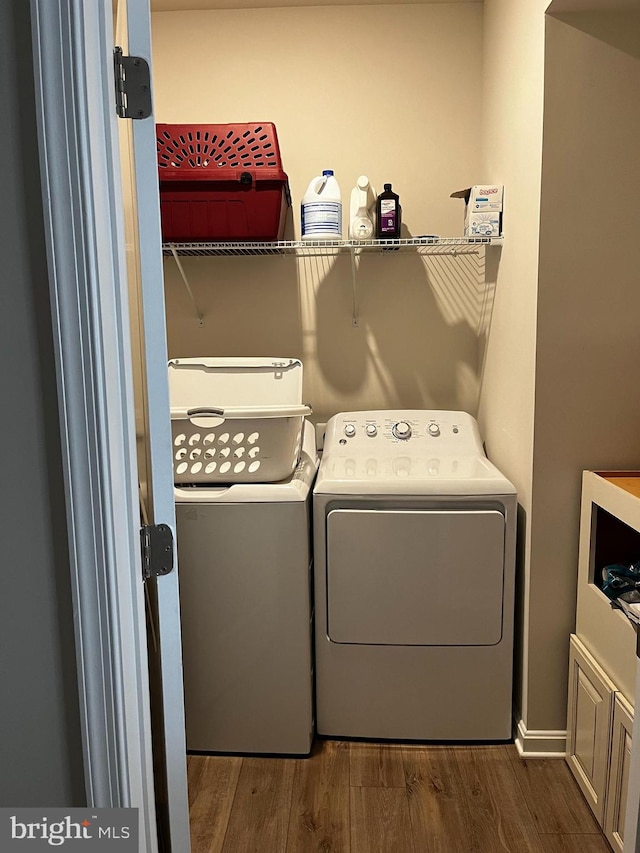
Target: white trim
<point>532,743</point>
<point>632,809</point>
<point>72,43</point>
<point>173,810</point>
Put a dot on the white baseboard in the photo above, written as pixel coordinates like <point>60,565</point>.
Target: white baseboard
<point>540,744</point>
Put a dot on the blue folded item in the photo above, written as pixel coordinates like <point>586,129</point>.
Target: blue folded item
<point>622,581</point>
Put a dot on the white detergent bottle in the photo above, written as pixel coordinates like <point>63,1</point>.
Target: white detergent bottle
<point>363,199</point>
<point>322,209</point>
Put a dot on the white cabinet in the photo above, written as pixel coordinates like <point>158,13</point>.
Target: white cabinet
<point>602,658</point>
<point>609,533</point>
<point>589,717</point>
<point>618,777</point>
<point>599,729</point>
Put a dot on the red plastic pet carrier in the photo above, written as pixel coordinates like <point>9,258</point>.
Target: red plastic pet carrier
<point>221,182</point>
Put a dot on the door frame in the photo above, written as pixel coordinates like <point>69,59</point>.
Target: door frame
<point>82,205</point>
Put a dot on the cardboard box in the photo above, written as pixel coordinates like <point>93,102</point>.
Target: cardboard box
<point>482,210</point>
<point>482,224</point>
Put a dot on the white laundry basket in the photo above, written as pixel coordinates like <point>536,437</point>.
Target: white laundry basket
<point>235,420</point>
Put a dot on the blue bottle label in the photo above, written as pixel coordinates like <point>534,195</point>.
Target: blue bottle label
<point>322,217</point>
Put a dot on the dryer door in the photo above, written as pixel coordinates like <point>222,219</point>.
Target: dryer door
<point>415,577</point>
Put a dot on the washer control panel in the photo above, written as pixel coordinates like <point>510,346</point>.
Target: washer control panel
<point>414,431</point>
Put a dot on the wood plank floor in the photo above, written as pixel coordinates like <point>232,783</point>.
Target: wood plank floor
<point>352,797</point>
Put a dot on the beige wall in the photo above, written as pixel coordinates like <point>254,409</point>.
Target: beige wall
<point>588,365</point>
<point>391,92</point>
<point>552,377</point>
<point>127,174</point>
<point>512,155</point>
<point>539,338</point>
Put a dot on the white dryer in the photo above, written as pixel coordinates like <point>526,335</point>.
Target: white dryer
<point>414,533</point>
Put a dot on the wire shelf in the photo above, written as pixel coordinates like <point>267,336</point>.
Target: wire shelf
<point>308,248</point>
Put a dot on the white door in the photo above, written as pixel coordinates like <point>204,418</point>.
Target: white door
<point>144,262</point>
<point>82,205</point>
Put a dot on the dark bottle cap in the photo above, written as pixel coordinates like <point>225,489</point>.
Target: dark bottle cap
<point>387,187</point>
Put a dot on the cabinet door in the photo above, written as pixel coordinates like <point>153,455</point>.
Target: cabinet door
<point>589,716</point>
<point>618,779</point>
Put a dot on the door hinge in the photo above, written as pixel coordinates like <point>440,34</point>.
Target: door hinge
<point>133,85</point>
<point>157,550</point>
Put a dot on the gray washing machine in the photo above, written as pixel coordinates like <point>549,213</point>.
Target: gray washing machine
<point>245,575</point>
<point>414,533</point>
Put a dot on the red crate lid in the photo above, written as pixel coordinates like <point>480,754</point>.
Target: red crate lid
<point>221,152</point>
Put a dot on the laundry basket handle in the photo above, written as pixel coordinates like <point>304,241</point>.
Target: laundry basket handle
<point>210,411</point>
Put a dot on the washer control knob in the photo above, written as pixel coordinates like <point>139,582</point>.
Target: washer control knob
<point>434,429</point>
<point>349,430</point>
<point>401,430</point>
<point>371,429</point>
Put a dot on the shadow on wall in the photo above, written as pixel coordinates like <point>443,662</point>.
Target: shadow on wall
<point>619,29</point>
<point>420,323</point>
<point>251,307</point>
<point>520,615</point>
<point>488,278</point>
